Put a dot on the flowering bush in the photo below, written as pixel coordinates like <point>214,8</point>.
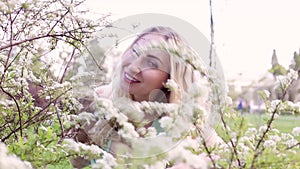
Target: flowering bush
<point>40,41</point>
<point>244,147</point>
<point>265,147</point>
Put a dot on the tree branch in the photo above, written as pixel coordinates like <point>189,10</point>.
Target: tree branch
<point>33,118</point>
<point>212,35</point>
<point>209,153</point>
<point>18,108</point>
<point>60,123</point>
<point>67,66</point>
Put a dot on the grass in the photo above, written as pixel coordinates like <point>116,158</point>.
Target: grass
<point>284,123</point>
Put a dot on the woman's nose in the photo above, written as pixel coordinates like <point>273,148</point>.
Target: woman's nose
<point>135,66</point>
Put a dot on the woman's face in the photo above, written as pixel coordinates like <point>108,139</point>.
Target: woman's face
<point>144,71</point>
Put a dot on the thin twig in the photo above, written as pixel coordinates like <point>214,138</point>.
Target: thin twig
<point>63,34</point>
<point>60,122</point>
<point>6,68</point>
<point>8,46</point>
<point>67,66</point>
<point>18,108</point>
<point>49,32</point>
<point>209,153</point>
<point>212,35</point>
<point>288,148</point>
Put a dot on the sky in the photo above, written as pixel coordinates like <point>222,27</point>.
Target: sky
<point>246,31</point>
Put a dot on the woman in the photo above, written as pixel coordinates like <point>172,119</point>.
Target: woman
<point>158,67</point>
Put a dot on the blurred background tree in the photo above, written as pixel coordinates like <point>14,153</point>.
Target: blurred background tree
<point>277,69</point>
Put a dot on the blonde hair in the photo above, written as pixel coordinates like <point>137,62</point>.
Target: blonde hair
<point>184,68</point>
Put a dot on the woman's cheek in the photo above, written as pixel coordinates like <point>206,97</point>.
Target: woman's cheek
<point>126,62</point>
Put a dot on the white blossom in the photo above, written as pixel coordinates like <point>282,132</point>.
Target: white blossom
<point>275,104</point>
<point>180,153</point>
<point>281,82</point>
<point>121,118</point>
<point>228,100</point>
<point>72,117</point>
<point>90,151</point>
<point>93,149</point>
<point>297,107</point>
<point>284,82</point>
<point>171,85</point>
<point>151,132</point>
<point>106,162</point>
<point>11,161</point>
<point>243,149</point>
<point>105,108</point>
<point>142,131</point>
<point>266,93</point>
<point>251,131</point>
<point>275,138</point>
<point>87,117</point>
<point>291,142</point>
<point>200,89</point>
<point>156,165</point>
<point>70,144</point>
<point>286,136</point>
<point>166,122</point>
<point>292,75</point>
<point>270,144</point>
<point>296,131</point>
<point>262,129</point>
<point>128,131</point>
<point>130,109</point>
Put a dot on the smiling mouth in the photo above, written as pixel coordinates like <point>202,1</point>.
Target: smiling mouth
<point>130,79</point>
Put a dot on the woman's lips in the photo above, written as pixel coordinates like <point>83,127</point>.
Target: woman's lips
<point>130,79</point>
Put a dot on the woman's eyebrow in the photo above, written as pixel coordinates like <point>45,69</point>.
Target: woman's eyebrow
<point>135,51</point>
<point>155,57</point>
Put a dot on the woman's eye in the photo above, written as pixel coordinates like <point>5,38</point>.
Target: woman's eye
<point>152,64</point>
<point>135,52</point>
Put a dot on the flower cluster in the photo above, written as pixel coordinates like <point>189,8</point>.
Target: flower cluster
<point>10,160</point>
<point>283,82</point>
<point>296,131</point>
<point>90,151</point>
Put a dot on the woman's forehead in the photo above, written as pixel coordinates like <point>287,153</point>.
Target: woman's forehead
<point>150,43</point>
<point>150,37</point>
